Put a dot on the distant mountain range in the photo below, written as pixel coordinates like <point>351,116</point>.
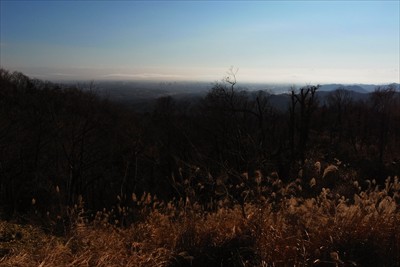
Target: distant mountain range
<point>359,88</point>
<point>357,93</point>
<point>142,95</point>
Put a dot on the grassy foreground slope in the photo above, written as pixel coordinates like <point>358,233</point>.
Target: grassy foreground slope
<point>283,230</point>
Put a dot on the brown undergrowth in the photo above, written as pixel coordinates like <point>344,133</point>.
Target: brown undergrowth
<point>322,230</point>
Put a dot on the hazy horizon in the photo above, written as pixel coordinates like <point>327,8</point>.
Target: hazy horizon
<point>270,42</point>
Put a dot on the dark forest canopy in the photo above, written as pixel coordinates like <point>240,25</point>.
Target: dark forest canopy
<point>60,144</point>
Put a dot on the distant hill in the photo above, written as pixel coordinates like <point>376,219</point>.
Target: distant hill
<point>359,88</point>
<point>333,87</point>
<point>142,96</point>
<point>281,101</point>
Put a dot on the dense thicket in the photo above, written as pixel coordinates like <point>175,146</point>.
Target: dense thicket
<point>64,140</point>
<point>61,145</point>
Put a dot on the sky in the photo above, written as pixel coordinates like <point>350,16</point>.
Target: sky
<point>267,41</point>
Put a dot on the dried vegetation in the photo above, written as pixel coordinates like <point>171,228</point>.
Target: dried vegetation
<point>282,228</point>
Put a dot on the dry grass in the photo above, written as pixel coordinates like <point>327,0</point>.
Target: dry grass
<point>326,230</point>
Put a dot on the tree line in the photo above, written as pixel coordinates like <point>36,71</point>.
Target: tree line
<point>61,145</point>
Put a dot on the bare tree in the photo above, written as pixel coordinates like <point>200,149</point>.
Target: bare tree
<point>302,106</point>
<point>338,101</point>
<point>382,100</point>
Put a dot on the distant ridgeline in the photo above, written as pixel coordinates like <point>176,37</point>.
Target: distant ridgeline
<point>142,95</point>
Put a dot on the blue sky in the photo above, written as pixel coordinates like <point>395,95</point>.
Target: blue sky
<point>282,41</point>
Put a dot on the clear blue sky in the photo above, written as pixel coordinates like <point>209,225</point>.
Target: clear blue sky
<point>291,41</point>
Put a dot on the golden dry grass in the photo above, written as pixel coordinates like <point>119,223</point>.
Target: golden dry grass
<point>325,230</point>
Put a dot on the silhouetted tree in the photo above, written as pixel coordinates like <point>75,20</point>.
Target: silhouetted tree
<point>302,106</point>
<point>382,100</point>
<point>338,102</point>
